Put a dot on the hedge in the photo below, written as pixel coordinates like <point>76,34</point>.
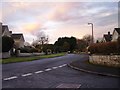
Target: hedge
<point>105,48</point>
<point>28,50</point>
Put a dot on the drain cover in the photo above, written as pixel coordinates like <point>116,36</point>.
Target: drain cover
<point>68,86</point>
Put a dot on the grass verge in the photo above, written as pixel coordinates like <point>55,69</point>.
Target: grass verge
<point>32,58</point>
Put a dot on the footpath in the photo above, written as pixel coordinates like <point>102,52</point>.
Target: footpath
<point>85,66</point>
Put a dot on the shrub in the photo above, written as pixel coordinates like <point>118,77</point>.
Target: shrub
<point>105,48</point>
<point>24,50</point>
<point>7,43</point>
<point>33,50</point>
<point>28,49</point>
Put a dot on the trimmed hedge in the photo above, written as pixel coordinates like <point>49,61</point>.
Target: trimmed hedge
<point>105,48</point>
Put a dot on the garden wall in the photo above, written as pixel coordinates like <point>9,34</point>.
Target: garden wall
<point>29,54</point>
<point>107,60</point>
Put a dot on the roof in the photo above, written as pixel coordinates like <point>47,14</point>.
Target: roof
<point>108,37</point>
<point>3,28</point>
<point>118,30</point>
<point>17,36</point>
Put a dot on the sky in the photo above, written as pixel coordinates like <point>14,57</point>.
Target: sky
<point>59,19</point>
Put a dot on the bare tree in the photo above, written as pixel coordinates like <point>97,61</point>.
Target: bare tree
<point>42,38</point>
<point>26,44</point>
<point>88,39</point>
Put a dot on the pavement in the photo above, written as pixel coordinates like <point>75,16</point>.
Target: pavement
<point>86,66</point>
<point>53,73</point>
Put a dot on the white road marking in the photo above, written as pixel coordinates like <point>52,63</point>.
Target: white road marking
<point>28,74</point>
<point>54,67</point>
<point>48,69</point>
<point>64,65</point>
<point>38,72</point>
<point>10,78</point>
<point>60,66</point>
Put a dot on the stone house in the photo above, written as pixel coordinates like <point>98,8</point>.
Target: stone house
<point>5,31</point>
<point>116,34</point>
<point>19,40</point>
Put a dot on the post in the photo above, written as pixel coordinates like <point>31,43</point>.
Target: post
<point>92,32</point>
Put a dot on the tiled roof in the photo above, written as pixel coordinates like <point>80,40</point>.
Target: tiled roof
<point>3,28</point>
<point>118,30</point>
<point>17,36</point>
<point>108,37</point>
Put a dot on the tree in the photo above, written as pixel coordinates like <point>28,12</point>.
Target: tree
<point>27,44</point>
<point>118,45</point>
<point>65,43</point>
<point>42,38</point>
<point>48,47</point>
<point>66,46</point>
<point>81,44</point>
<point>73,43</point>
<point>7,43</point>
<point>97,41</point>
<point>87,39</point>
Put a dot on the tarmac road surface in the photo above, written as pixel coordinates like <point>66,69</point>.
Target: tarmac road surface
<point>53,73</point>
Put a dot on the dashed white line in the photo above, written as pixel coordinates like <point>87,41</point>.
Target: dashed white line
<point>38,72</point>
<point>60,66</point>
<point>28,74</point>
<point>10,78</point>
<point>54,67</point>
<point>48,69</point>
<point>64,65</point>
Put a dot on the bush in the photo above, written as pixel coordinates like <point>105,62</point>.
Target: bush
<point>33,50</point>
<point>105,48</point>
<point>24,50</point>
<point>28,49</point>
<point>7,43</point>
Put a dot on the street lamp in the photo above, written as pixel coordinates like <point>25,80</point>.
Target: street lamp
<point>92,31</point>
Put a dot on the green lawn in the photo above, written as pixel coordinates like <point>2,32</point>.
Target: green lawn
<point>23,59</point>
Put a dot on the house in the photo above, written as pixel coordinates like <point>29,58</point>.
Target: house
<point>5,31</point>
<point>19,40</point>
<point>116,34</point>
<point>107,37</point>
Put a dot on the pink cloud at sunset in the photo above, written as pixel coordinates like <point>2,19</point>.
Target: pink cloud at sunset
<point>30,27</point>
<point>59,19</point>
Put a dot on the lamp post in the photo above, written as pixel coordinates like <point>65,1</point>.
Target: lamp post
<point>92,31</point>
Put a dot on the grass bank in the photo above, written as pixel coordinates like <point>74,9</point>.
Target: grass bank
<point>32,58</point>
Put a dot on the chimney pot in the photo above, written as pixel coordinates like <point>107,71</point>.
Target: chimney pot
<point>108,33</point>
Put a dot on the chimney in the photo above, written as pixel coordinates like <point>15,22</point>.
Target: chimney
<point>10,33</point>
<point>108,33</point>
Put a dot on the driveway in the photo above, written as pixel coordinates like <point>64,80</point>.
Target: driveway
<point>52,73</point>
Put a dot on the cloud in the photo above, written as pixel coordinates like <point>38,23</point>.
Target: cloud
<point>60,19</point>
<point>30,27</point>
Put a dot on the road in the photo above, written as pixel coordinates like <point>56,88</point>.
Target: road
<point>51,73</point>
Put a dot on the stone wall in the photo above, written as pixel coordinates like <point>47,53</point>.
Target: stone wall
<point>29,54</point>
<point>107,60</point>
